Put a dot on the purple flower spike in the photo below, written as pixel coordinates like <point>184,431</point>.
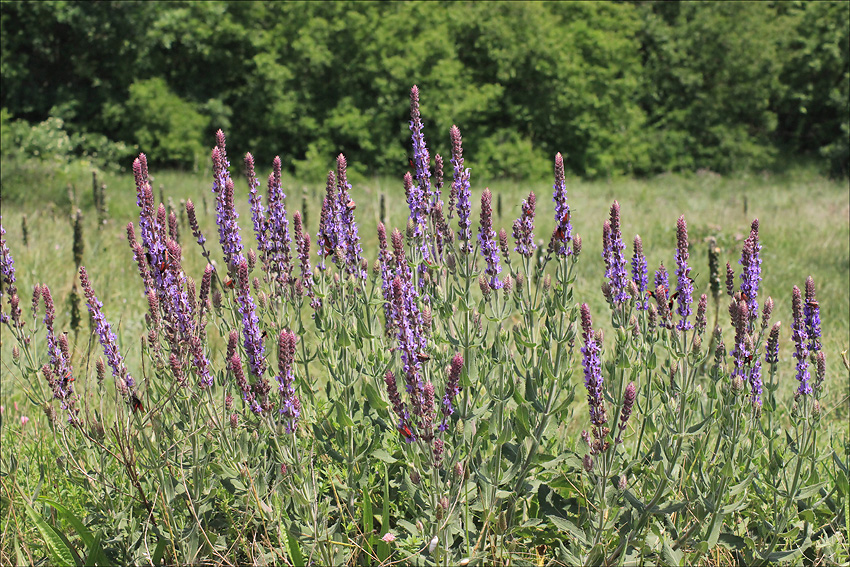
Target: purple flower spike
<point>253,340</point>
<point>7,279</point>
<point>524,228</point>
<point>487,240</point>
<point>452,389</point>
<point>593,381</point>
<point>626,412</point>
<point>756,383</point>
<point>125,382</point>
<point>640,273</point>
<point>404,425</point>
<point>563,232</point>
<point>234,364</point>
<point>772,348</point>
<point>800,338</point>
<point>258,213</point>
<point>349,239</point>
<point>59,376</point>
<point>730,280</point>
<point>290,406</point>
<point>661,278</point>
<point>460,190</point>
<point>226,215</point>
<point>685,286</point>
<point>811,314</point>
<point>277,252</point>
<point>615,260</point>
<point>421,164</point>
<point>751,272</point>
<point>302,242</point>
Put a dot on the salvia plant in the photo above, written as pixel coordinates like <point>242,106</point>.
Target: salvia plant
<point>299,403</point>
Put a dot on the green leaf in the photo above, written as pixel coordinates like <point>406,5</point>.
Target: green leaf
<point>715,531</point>
<point>84,533</point>
<point>696,428</point>
<point>731,541</point>
<point>651,361</point>
<point>566,526</point>
<point>294,549</point>
<point>671,556</point>
<point>736,489</point>
<point>733,507</point>
<point>362,331</point>
<point>382,455</point>
<point>342,339</point>
<point>60,552</point>
<point>342,417</point>
<point>785,556</point>
<point>374,398</point>
<point>368,524</point>
<point>159,551</point>
<point>809,491</point>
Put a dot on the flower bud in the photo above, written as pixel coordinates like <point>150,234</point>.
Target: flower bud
<point>587,463</point>
<point>450,260</point>
<point>507,285</point>
<point>772,356</point>
<point>820,361</point>
<point>234,420</point>
<point>697,344</point>
<point>701,321</point>
<point>16,353</point>
<point>485,287</point>
<point>633,290</point>
<point>414,477</point>
<point>520,282</point>
<point>547,283</point>
<point>252,260</point>
<point>216,299</point>
<point>49,412</point>
<point>622,484</point>
<point>576,245</point>
<point>737,384</point>
<point>766,312</point>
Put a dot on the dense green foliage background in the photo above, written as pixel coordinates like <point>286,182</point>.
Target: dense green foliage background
<point>618,88</point>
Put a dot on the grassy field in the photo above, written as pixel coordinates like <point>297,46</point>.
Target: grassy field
<point>805,230</point>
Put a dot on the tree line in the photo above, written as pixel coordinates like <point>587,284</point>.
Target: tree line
<point>617,87</point>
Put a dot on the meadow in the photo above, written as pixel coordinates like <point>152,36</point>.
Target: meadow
<point>573,428</point>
